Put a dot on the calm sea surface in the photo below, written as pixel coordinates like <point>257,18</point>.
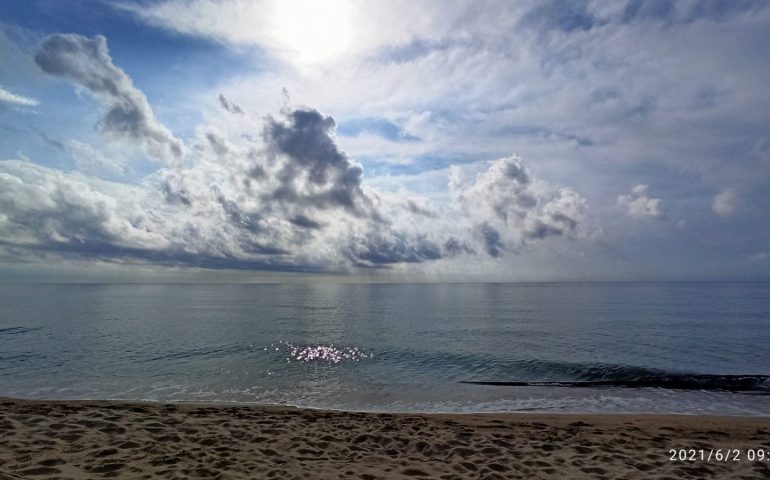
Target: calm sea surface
<point>646,347</point>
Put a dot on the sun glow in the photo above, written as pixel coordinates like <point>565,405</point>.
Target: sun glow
<point>312,32</point>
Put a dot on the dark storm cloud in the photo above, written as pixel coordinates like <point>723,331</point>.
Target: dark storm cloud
<point>379,248</point>
<point>128,115</point>
<point>313,170</point>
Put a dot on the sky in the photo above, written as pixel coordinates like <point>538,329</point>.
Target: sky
<point>239,140</point>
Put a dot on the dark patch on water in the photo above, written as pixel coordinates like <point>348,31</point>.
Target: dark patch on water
<point>17,330</point>
<point>637,377</point>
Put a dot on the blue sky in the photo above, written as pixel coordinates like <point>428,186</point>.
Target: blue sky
<point>426,141</point>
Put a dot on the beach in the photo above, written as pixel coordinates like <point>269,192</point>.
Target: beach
<point>109,439</point>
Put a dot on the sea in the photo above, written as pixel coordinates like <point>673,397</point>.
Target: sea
<point>686,348</point>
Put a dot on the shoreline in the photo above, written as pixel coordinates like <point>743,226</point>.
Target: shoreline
<point>279,407</point>
<point>114,439</point>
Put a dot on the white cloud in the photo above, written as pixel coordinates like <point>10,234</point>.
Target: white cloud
<point>509,210</point>
<point>725,202</point>
<point>49,210</point>
<point>639,204</point>
<point>12,98</point>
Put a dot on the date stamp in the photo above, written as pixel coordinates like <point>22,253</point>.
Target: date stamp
<point>719,455</point>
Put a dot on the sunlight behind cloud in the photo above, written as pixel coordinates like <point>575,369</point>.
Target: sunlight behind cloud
<point>312,32</point>
<point>300,32</point>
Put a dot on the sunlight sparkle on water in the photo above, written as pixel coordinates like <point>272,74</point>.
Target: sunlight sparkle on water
<point>324,353</point>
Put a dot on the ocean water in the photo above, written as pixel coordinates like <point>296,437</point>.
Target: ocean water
<point>592,347</point>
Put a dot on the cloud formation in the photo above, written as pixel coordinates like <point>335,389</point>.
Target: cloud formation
<point>127,114</point>
<point>510,211</point>
<point>45,208</point>
<point>311,170</point>
<point>679,100</point>
<point>14,99</point>
<point>290,194</point>
<point>274,193</point>
<point>639,204</point>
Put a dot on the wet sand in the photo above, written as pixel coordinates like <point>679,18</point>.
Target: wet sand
<point>96,439</point>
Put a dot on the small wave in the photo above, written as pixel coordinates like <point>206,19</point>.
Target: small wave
<point>192,353</point>
<point>637,377</point>
<point>17,330</point>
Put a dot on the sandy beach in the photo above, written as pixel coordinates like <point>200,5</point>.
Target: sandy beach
<point>99,439</point>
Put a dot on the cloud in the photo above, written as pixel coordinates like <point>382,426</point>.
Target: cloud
<point>88,159</point>
<point>639,204</point>
<point>273,193</point>
<point>291,193</point>
<point>509,210</point>
<point>725,202</point>
<point>14,99</point>
<point>127,114</point>
<point>380,127</point>
<point>384,248</point>
<point>679,98</point>
<point>311,169</point>
<point>228,105</point>
<point>671,12</point>
<point>566,16</point>
<point>44,207</point>
<point>553,92</point>
<point>305,31</point>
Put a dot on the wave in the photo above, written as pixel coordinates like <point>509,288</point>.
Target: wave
<point>486,369</point>
<point>17,330</point>
<point>639,377</point>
